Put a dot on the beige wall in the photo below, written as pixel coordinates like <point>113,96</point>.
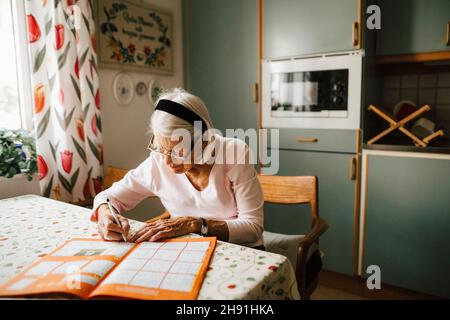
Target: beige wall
<point>125,127</point>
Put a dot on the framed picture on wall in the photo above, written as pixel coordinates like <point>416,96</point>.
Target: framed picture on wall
<point>134,36</point>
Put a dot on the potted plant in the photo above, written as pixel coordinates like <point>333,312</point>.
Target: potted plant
<point>17,153</point>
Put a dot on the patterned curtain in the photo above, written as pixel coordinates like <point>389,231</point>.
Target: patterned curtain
<point>62,49</point>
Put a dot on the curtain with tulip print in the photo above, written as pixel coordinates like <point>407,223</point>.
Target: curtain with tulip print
<point>62,49</point>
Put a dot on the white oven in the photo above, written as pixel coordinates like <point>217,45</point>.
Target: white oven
<point>320,91</point>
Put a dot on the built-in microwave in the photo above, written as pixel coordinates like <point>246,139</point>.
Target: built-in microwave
<point>320,91</point>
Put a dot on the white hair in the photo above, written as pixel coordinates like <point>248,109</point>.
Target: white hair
<point>164,123</point>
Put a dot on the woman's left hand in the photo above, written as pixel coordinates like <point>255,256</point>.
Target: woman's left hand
<point>167,228</point>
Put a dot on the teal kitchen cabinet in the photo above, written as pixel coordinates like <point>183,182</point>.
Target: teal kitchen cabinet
<point>221,58</point>
<point>298,27</point>
<point>413,26</point>
<point>407,221</point>
<point>336,204</point>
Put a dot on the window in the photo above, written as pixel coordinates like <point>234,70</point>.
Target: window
<point>15,99</point>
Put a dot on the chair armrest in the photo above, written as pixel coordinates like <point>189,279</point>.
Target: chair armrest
<point>319,227</point>
<point>165,215</point>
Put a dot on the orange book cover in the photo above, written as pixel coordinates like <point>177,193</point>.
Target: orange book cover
<point>92,268</point>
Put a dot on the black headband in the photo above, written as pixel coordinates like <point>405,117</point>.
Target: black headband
<point>180,111</point>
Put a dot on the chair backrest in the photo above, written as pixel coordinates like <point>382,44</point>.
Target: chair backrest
<point>113,174</point>
<point>291,190</point>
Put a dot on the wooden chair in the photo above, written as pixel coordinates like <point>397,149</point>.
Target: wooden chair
<point>113,174</point>
<point>299,190</point>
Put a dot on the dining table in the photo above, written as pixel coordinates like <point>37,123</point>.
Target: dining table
<point>32,226</point>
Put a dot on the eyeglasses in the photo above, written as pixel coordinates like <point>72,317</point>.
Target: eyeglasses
<point>177,156</point>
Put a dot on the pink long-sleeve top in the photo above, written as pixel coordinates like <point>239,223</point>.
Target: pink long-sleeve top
<point>233,193</point>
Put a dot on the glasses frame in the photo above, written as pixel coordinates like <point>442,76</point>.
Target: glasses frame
<point>169,154</point>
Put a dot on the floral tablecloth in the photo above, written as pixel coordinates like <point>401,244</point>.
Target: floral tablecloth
<point>32,226</point>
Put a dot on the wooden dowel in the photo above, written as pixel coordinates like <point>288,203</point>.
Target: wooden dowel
<point>439,133</point>
<point>413,137</point>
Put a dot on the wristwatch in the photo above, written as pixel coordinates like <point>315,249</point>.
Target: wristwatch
<point>204,229</point>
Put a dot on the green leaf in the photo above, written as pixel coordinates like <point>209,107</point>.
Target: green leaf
<point>60,120</point>
<point>66,184</point>
<point>53,149</point>
<point>62,58</point>
<point>39,59</point>
<point>48,26</point>
<point>85,110</point>
<point>91,87</point>
<point>94,63</point>
<point>99,123</point>
<point>73,179</point>
<point>251,279</point>
<point>94,149</point>
<point>69,118</point>
<point>75,86</point>
<point>48,188</point>
<point>86,22</point>
<point>42,126</point>
<point>79,149</point>
<point>83,57</point>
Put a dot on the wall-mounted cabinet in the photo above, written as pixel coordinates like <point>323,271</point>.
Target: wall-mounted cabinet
<point>406,219</point>
<point>410,27</point>
<point>221,58</point>
<point>298,27</point>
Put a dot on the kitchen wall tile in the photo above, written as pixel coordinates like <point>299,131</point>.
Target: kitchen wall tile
<point>410,81</point>
<point>443,112</point>
<point>391,82</point>
<point>390,96</point>
<point>409,94</point>
<point>444,80</point>
<point>427,96</point>
<point>428,80</point>
<point>443,96</point>
<point>446,128</point>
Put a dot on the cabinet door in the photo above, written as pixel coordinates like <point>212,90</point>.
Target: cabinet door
<point>413,26</point>
<point>336,204</point>
<point>221,59</point>
<point>408,222</point>
<point>296,27</point>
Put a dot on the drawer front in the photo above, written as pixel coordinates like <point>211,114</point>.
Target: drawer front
<point>344,141</point>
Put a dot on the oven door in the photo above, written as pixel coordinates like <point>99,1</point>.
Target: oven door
<point>322,92</point>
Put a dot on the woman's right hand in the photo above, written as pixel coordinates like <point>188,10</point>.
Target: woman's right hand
<point>107,226</point>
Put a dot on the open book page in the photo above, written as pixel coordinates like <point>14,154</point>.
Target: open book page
<point>74,268</point>
<point>173,269</point>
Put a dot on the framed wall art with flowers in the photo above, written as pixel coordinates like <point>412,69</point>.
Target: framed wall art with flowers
<point>134,36</point>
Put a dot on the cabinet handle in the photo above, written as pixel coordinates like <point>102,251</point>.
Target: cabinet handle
<point>255,92</point>
<point>447,40</point>
<point>353,168</point>
<point>303,139</point>
<point>355,35</point>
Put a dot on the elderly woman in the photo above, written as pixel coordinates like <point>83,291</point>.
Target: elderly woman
<point>211,198</point>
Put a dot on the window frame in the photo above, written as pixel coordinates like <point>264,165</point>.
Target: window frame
<point>23,69</point>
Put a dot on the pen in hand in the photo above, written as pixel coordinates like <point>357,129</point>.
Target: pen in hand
<point>113,213</point>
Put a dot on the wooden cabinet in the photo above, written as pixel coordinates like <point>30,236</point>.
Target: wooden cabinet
<point>298,27</point>
<point>407,220</point>
<point>336,204</point>
<point>221,58</point>
<point>413,26</point>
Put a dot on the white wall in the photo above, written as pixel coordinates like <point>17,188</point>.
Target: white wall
<point>125,128</point>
